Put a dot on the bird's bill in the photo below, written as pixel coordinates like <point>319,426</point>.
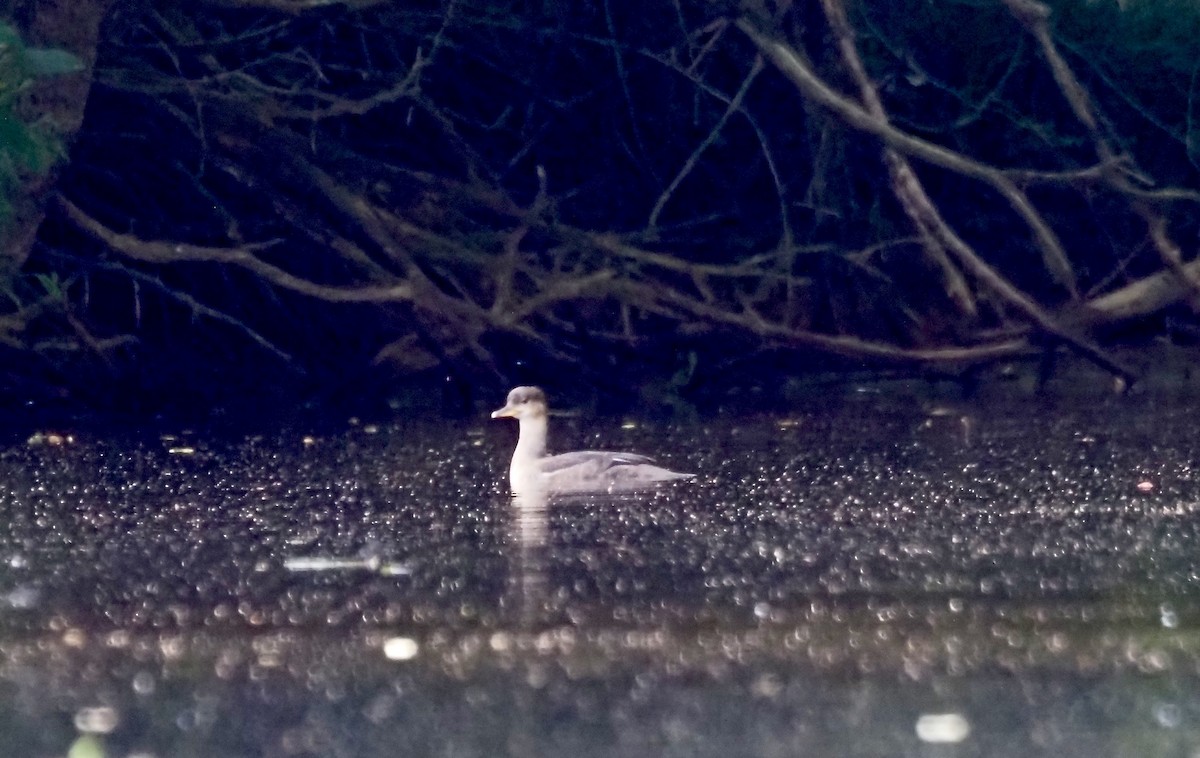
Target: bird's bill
<point>508,411</point>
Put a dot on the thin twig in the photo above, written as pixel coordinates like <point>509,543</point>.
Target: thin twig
<point>735,105</point>
<point>800,74</point>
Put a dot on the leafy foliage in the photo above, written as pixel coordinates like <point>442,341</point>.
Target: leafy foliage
<point>28,148</point>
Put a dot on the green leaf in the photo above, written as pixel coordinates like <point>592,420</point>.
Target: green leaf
<point>51,284</point>
<point>27,149</point>
<point>9,35</point>
<point>86,746</point>
<point>51,62</point>
<point>21,148</point>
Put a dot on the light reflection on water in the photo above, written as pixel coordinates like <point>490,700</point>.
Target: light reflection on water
<point>871,582</point>
<point>529,532</point>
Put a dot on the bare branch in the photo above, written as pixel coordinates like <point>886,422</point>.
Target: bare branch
<point>294,6</point>
<point>800,74</point>
<point>1035,15</point>
<point>806,80</point>
<point>157,252</point>
<point>838,344</point>
<point>200,309</point>
<point>1139,298</point>
<point>1170,254</point>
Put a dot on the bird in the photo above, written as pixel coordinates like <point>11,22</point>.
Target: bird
<point>597,471</point>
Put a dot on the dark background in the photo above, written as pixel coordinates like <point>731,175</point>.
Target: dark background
<point>270,204</point>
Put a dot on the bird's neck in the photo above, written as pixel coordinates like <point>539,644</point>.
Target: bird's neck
<point>532,440</point>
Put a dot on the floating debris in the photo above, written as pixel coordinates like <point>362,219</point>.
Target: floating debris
<point>372,563</point>
<point>50,439</point>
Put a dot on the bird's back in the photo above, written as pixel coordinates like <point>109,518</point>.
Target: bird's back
<point>603,471</point>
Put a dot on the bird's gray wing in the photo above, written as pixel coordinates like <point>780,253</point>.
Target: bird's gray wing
<point>593,461</point>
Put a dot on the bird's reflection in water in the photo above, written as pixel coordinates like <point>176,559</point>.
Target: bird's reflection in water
<point>529,535</point>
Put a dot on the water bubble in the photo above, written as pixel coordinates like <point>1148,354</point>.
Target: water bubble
<point>1168,617</point>
<point>96,720</point>
<point>400,648</point>
<point>144,683</point>
<point>1168,715</point>
<point>942,728</point>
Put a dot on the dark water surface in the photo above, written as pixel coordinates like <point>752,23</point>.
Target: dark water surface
<point>882,580</point>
